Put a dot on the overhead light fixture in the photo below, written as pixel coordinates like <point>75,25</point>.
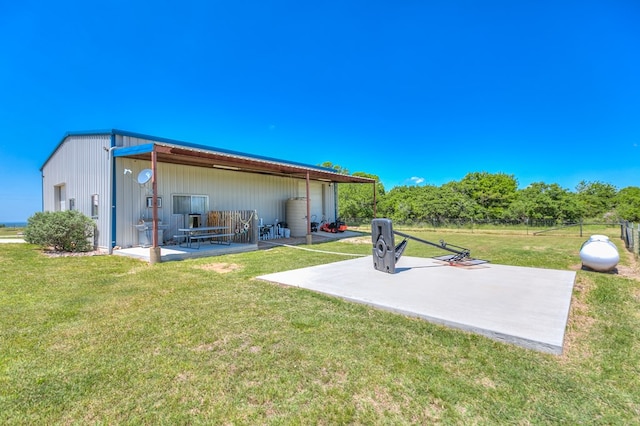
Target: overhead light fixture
<point>220,166</point>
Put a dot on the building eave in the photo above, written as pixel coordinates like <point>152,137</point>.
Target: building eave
<point>186,153</point>
<point>200,156</point>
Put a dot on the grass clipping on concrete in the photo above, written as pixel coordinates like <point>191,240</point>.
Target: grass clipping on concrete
<point>106,339</point>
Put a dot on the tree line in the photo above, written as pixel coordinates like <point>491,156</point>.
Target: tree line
<point>486,197</point>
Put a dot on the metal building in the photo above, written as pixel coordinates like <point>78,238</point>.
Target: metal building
<point>114,177</point>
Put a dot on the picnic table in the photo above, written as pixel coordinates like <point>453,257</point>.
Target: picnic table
<point>189,236</point>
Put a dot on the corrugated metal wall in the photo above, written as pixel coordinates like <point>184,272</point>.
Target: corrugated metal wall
<point>80,169</point>
<point>128,141</point>
<point>225,189</point>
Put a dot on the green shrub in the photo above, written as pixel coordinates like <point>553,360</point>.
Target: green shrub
<point>63,231</point>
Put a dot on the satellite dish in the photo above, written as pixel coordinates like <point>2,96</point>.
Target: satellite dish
<point>144,176</point>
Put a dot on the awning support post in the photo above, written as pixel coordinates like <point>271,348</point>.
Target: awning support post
<point>309,237</point>
<point>154,252</point>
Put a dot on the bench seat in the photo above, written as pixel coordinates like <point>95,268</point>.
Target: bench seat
<point>212,236</point>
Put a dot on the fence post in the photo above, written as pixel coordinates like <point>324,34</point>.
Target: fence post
<point>635,233</point>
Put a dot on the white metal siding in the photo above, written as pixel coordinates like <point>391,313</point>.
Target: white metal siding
<point>128,141</point>
<point>82,165</point>
<point>226,189</point>
<point>317,207</point>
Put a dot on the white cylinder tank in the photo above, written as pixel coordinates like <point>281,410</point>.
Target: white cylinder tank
<point>599,253</point>
<point>296,211</point>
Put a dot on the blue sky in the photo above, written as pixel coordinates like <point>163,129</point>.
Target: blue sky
<point>412,91</point>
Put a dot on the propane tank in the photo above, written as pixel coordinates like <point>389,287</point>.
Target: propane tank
<point>599,253</point>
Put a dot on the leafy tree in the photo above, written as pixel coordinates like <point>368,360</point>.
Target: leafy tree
<point>570,208</point>
<point>337,168</point>
<point>545,201</point>
<point>398,204</point>
<point>482,195</point>
<point>595,198</point>
<point>355,200</point>
<point>492,192</point>
<point>67,230</point>
<point>448,202</point>
<point>628,204</point>
<point>427,203</point>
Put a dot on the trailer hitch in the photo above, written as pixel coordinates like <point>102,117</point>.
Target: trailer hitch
<point>386,254</point>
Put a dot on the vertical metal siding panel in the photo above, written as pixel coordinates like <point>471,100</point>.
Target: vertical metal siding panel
<point>330,202</point>
<point>315,190</point>
<point>92,163</point>
<point>100,176</point>
<point>315,194</point>
<point>227,190</point>
<point>131,197</point>
<point>82,165</point>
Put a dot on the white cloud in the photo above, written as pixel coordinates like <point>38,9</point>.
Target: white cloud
<point>416,180</point>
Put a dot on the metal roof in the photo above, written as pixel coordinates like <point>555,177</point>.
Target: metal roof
<point>185,153</point>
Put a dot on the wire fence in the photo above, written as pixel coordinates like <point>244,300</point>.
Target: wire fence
<point>630,234</point>
<point>530,226</point>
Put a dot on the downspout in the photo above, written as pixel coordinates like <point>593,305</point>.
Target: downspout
<point>112,195</point>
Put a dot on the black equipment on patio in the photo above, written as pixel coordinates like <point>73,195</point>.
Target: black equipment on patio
<point>386,254</point>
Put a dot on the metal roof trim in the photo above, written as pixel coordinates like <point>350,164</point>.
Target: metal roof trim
<point>119,152</point>
<point>244,156</point>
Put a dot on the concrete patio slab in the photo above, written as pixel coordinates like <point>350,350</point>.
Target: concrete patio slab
<point>528,307</point>
<point>11,240</point>
<point>175,252</point>
<point>206,249</point>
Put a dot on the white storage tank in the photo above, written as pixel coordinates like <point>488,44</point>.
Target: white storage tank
<point>599,253</point>
<point>296,211</point>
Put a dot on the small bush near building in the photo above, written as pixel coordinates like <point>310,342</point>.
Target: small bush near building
<point>63,231</point>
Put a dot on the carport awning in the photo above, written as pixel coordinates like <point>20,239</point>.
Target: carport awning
<point>229,160</point>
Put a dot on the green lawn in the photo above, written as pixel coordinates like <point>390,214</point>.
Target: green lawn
<point>6,232</point>
<point>106,339</point>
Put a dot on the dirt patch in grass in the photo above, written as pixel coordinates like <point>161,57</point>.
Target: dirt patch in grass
<point>633,270</point>
<point>55,253</point>
<point>628,272</point>
<point>358,240</point>
<point>221,268</point>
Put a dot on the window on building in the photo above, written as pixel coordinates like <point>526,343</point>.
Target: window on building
<point>186,204</point>
<point>94,206</point>
<point>72,203</point>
